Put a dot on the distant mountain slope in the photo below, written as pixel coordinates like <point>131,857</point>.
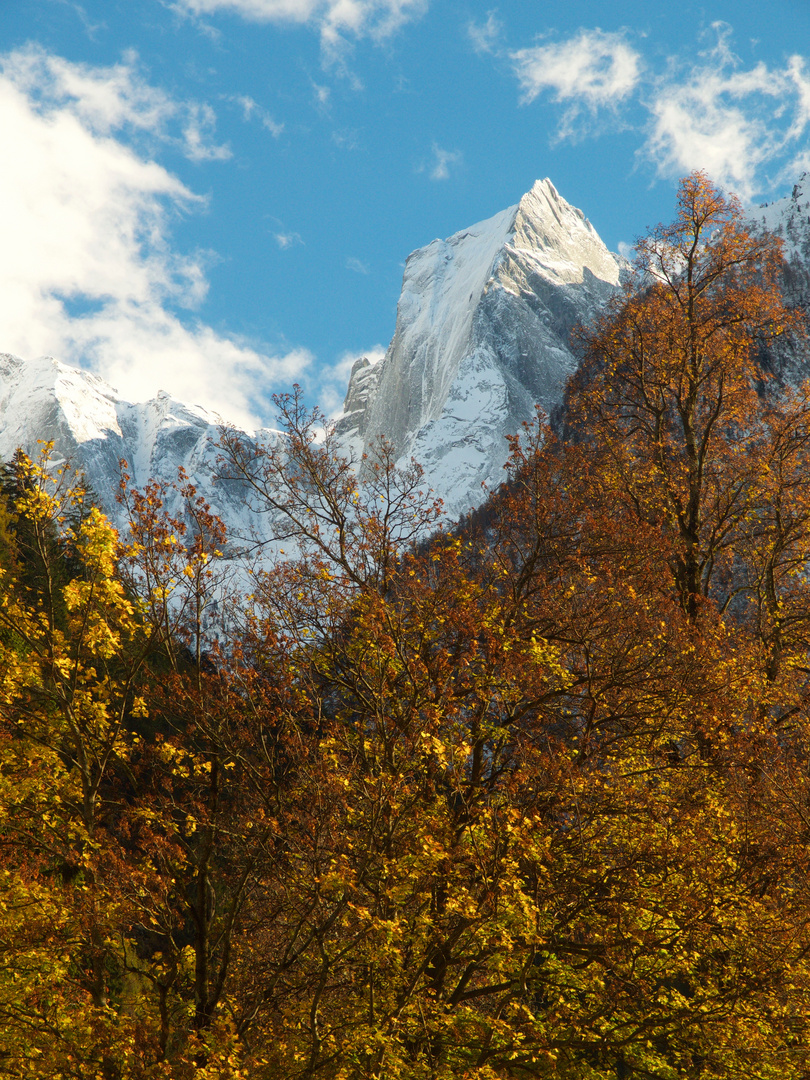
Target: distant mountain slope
<point>789,218</point>
<point>93,427</point>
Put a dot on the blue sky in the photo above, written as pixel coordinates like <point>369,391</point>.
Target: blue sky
<point>216,197</point>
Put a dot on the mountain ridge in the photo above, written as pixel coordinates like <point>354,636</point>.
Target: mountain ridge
<point>94,428</point>
<point>482,337</point>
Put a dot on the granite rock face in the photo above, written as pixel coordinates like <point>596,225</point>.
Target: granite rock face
<point>482,336</point>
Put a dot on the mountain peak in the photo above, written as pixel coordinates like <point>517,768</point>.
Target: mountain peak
<point>482,336</point>
<point>541,198</point>
<point>483,323</point>
<point>546,224</point>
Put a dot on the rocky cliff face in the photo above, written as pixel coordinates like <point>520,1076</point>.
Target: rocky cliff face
<point>482,335</point>
<point>789,219</point>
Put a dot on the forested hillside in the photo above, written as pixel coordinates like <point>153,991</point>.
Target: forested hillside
<point>525,798</point>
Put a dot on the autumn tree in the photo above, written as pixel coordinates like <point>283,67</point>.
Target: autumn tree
<point>83,666</point>
<point>669,387</point>
<point>508,847</point>
<point>673,773</point>
<point>71,653</point>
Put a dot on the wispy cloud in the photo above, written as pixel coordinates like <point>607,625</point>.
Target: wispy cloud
<point>322,96</point>
<point>198,131</point>
<point>590,72</point>
<point>346,138</point>
<point>595,67</point>
<point>251,110</point>
<point>337,21</point>
<point>112,99</point>
<point>485,36</point>
<point>626,250</point>
<point>91,28</point>
<point>747,126</point>
<point>357,266</point>
<point>287,239</point>
<point>739,124</point>
<point>438,168</point>
<point>87,227</point>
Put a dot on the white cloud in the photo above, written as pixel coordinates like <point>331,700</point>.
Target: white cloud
<point>109,99</point>
<point>86,229</point>
<point>336,20</point>
<point>322,96</point>
<point>594,70</point>
<point>333,379</point>
<point>694,129</point>
<point>797,75</point>
<point>740,125</point>
<point>271,125</point>
<point>627,251</point>
<point>251,109</point>
<point>90,28</point>
<point>357,266</point>
<point>485,36</point>
<point>197,132</point>
<point>746,126</point>
<point>439,167</point>
<point>287,239</point>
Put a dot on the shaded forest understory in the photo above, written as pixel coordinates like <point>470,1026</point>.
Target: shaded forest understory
<point>525,798</point>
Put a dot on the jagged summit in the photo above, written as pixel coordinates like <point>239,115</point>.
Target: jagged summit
<point>482,333</point>
<point>560,237</point>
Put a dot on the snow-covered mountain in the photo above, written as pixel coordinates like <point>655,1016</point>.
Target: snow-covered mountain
<point>94,428</point>
<point>789,218</point>
<point>482,335</point>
